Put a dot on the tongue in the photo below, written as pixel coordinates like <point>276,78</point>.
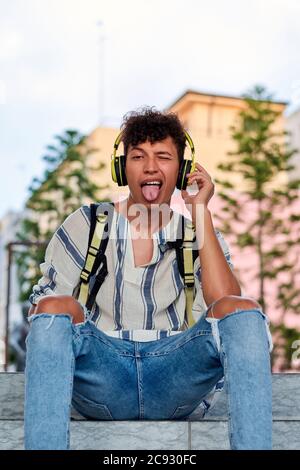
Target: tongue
<point>150,192</point>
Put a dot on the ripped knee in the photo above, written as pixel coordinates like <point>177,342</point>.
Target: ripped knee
<point>60,304</point>
<point>229,304</point>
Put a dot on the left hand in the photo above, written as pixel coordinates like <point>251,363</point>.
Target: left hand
<point>205,185</point>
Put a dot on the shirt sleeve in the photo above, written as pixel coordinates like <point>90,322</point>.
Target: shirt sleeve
<point>64,257</point>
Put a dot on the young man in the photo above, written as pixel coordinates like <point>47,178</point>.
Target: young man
<point>133,355</point>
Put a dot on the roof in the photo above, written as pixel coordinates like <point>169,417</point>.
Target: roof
<point>199,93</point>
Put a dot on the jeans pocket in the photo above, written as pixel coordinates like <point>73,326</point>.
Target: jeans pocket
<point>89,409</point>
<point>182,412</point>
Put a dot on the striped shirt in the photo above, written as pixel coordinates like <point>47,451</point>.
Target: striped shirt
<point>140,303</point>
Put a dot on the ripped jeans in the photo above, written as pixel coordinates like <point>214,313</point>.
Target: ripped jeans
<point>108,378</point>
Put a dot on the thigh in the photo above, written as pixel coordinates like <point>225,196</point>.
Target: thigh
<point>105,381</point>
<point>178,372</point>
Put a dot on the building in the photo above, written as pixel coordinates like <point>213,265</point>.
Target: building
<point>293,126</point>
<point>9,226</point>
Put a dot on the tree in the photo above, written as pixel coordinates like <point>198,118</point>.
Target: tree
<point>265,214</point>
<point>65,186</point>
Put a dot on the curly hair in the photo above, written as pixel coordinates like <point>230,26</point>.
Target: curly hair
<point>149,124</point>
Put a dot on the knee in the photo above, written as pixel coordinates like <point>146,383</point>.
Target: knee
<point>229,303</point>
<point>56,304</point>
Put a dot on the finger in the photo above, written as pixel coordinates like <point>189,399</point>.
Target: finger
<point>198,171</point>
<point>185,195</point>
<point>199,178</point>
<point>200,167</point>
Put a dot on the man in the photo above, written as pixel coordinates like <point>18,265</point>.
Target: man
<point>133,356</point>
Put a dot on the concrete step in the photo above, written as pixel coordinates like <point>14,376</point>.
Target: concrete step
<point>192,434</point>
<point>286,398</point>
<point>152,435</point>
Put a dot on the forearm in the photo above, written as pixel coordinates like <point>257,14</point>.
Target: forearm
<point>217,277</point>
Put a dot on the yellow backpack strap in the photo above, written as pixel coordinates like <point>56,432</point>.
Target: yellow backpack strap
<point>188,269</point>
<point>101,215</point>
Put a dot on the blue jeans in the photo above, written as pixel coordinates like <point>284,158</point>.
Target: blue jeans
<point>109,378</point>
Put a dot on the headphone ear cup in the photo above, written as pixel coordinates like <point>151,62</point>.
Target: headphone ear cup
<point>113,171</point>
<point>123,164</point>
<point>185,167</point>
<point>118,170</point>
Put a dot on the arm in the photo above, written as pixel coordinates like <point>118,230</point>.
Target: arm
<point>217,277</point>
<point>64,258</point>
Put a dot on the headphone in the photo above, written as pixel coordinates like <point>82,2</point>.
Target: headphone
<point>118,164</point>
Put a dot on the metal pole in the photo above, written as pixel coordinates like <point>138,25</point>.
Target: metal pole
<point>9,259</point>
<point>10,247</point>
<point>101,72</point>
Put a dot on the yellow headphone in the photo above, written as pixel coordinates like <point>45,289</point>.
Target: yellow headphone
<point>118,164</point>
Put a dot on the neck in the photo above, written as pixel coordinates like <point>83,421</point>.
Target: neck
<point>146,219</point>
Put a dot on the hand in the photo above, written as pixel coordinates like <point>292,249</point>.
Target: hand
<point>205,185</point>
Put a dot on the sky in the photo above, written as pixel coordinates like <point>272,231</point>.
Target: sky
<point>83,63</point>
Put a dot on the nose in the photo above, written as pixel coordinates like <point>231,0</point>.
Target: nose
<point>150,165</point>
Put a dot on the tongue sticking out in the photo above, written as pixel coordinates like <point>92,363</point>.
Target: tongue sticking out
<point>150,192</point>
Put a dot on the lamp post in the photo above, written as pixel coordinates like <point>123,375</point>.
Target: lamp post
<point>101,73</point>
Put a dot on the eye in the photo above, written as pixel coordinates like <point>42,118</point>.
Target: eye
<point>136,157</point>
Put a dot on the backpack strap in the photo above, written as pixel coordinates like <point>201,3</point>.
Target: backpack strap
<point>188,267</point>
<point>95,261</point>
<point>186,256</point>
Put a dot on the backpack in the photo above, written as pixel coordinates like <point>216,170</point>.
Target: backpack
<point>96,264</point>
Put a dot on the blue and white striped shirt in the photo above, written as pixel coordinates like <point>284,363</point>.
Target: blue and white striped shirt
<point>141,303</point>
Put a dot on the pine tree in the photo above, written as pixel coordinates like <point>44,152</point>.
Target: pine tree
<point>65,186</point>
<point>266,211</point>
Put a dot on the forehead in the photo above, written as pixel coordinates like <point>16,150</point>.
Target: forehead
<point>166,144</point>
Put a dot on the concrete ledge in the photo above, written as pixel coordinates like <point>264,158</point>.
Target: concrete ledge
<point>152,435</point>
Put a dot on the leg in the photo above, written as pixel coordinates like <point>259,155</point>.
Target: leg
<point>49,373</point>
<point>223,306</point>
<point>56,304</point>
<point>73,362</point>
<point>241,332</point>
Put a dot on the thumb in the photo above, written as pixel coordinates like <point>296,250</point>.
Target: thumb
<point>184,194</point>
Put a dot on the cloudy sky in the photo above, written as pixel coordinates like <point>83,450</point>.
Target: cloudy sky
<point>78,63</point>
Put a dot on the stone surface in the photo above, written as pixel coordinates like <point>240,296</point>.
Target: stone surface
<point>129,435</point>
<point>11,435</point>
<point>152,435</point>
<point>117,435</point>
<point>208,435</point>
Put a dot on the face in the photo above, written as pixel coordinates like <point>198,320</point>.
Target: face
<point>152,171</point>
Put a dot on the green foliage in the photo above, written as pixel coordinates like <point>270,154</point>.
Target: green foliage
<point>65,185</point>
<point>261,156</point>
